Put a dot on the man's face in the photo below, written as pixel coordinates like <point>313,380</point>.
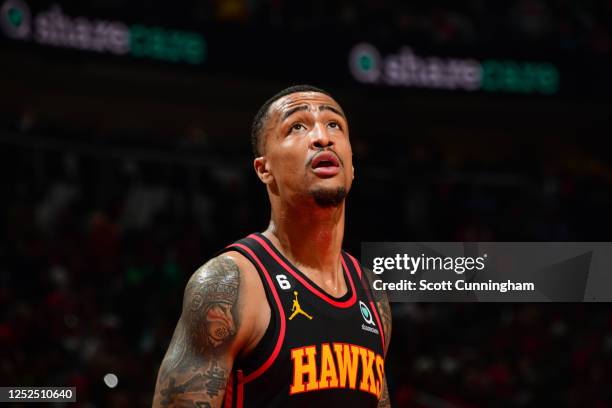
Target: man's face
<point>307,150</point>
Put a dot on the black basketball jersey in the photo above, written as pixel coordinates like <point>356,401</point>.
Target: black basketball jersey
<point>318,350</point>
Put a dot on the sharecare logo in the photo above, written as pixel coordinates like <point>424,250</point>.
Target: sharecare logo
<point>407,69</point>
<point>55,28</point>
<point>15,19</point>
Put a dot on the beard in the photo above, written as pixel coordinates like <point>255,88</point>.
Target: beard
<point>329,197</point>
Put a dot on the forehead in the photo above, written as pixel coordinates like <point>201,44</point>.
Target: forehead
<point>311,99</point>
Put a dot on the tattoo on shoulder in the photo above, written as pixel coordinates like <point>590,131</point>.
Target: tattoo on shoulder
<point>193,373</point>
<point>210,297</point>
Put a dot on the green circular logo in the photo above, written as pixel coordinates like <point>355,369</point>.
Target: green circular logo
<point>15,19</point>
<point>365,313</point>
<point>364,63</point>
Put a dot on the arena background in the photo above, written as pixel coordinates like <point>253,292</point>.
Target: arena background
<point>125,169</point>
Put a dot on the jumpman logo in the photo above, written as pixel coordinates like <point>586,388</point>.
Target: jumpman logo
<point>297,309</point>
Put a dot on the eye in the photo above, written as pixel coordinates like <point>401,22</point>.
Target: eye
<point>334,125</point>
<point>296,127</point>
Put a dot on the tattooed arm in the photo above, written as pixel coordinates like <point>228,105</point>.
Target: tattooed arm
<point>382,303</point>
<point>198,362</point>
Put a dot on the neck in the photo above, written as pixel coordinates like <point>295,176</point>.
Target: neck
<point>309,236</point>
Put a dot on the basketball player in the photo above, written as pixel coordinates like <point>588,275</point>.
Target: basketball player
<point>285,318</point>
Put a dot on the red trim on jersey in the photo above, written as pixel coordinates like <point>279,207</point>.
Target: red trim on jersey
<point>281,336</point>
<point>372,305</point>
<point>240,391</point>
<point>347,303</point>
<point>382,332</point>
<point>229,390</point>
<point>358,269</point>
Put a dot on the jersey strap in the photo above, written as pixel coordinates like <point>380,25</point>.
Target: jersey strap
<point>278,313</point>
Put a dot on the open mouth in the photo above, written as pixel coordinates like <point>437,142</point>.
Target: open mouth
<point>325,160</point>
<point>325,164</point>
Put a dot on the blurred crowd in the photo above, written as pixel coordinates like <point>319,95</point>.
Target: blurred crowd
<point>501,355</point>
<point>96,248</point>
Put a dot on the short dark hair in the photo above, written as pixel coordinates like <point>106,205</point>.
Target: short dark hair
<point>262,114</point>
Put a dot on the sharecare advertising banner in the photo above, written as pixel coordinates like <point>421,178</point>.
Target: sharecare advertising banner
<point>405,68</point>
<point>55,28</point>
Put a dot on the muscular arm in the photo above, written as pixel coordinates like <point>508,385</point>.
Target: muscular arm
<point>198,362</point>
<point>382,302</point>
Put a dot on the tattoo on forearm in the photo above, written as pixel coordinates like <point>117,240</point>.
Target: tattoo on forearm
<point>193,373</point>
<point>212,381</point>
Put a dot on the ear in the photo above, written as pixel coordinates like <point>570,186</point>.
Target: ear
<point>262,168</point>
<point>353,167</point>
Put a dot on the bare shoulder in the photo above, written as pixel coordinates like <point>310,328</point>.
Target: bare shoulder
<point>382,301</point>
<point>258,313</point>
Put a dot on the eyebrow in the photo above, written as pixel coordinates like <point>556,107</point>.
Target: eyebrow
<point>293,110</point>
<point>305,107</point>
<point>331,108</point>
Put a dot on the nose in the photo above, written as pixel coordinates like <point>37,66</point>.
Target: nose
<point>319,137</point>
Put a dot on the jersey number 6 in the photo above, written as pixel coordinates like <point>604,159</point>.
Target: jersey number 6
<point>283,282</point>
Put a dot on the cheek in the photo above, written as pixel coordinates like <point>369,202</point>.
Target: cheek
<point>347,156</point>
<point>287,158</point>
